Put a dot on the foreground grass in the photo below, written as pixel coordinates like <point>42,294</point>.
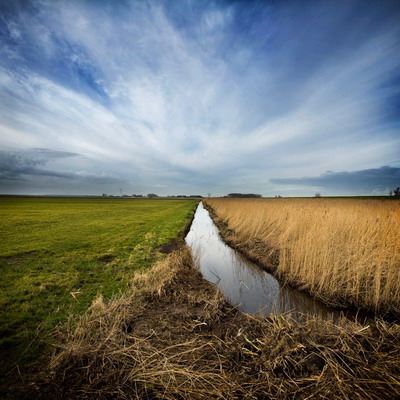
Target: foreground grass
<point>172,336</point>
<point>345,251</point>
<point>56,255</point>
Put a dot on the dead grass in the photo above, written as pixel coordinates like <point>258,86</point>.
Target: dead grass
<point>345,251</point>
<point>173,337</point>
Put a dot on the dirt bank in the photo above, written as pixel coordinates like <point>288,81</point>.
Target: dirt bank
<point>172,336</point>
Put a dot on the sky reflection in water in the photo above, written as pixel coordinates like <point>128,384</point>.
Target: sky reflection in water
<point>243,284</point>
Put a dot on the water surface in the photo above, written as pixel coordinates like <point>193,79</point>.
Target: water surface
<point>243,284</point>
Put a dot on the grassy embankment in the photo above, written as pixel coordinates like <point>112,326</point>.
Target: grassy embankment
<point>57,255</point>
<point>344,251</point>
<point>172,336</point>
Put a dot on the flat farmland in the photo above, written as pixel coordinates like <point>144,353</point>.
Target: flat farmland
<point>58,254</point>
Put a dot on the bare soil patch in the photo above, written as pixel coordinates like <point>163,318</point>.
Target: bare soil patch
<point>18,258</point>
<point>174,244</point>
<point>106,258</point>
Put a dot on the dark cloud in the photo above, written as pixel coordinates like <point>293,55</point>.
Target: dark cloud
<point>20,166</point>
<point>27,162</point>
<point>366,180</point>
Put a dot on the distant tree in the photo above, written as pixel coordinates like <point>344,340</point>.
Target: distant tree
<point>397,191</point>
<point>317,195</point>
<point>391,193</point>
<point>246,195</point>
<point>152,195</point>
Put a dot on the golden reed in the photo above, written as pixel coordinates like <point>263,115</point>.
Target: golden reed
<point>343,250</point>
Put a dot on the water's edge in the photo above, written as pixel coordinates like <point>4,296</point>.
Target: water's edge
<point>244,285</point>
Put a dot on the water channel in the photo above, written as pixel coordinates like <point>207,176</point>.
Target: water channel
<point>244,285</point>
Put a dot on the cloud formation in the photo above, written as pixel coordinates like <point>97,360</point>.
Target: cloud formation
<point>15,164</point>
<point>368,181</point>
<point>28,168</point>
<point>197,96</point>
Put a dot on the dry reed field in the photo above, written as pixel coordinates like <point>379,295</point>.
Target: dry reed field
<point>345,251</point>
<point>174,337</point>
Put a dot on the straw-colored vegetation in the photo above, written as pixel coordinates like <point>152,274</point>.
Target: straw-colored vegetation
<point>172,336</point>
<point>345,251</point>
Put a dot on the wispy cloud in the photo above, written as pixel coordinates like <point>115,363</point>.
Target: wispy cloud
<point>197,97</point>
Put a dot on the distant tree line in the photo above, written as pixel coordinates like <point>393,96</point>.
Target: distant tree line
<point>246,195</point>
<point>197,196</point>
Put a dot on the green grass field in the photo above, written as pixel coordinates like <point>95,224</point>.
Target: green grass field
<point>57,254</point>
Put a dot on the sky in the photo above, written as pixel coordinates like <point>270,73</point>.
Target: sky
<point>197,97</point>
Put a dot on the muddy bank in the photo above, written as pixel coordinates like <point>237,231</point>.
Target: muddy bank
<point>267,258</point>
<point>172,336</point>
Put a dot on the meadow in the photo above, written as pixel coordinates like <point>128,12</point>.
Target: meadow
<point>344,251</point>
<point>58,254</point>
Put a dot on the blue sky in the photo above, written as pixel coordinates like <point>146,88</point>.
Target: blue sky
<point>271,97</point>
